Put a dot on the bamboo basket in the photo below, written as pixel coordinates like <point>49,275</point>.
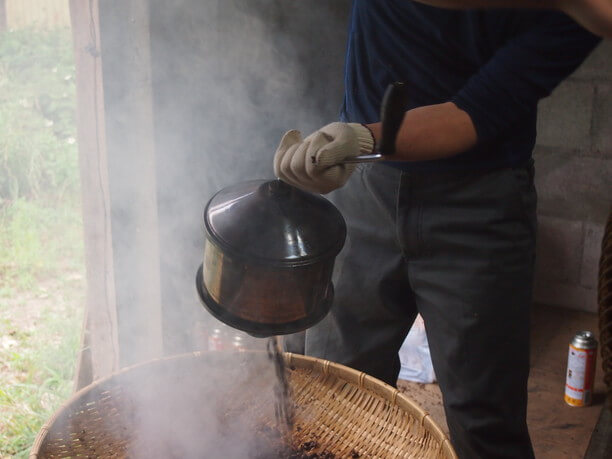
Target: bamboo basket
<point>337,409</point>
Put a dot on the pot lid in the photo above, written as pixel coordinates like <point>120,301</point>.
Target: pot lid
<point>272,222</point>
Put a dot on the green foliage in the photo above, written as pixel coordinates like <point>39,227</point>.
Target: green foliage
<point>38,157</point>
<point>37,96</point>
<point>37,241</point>
<point>41,366</point>
<point>41,243</point>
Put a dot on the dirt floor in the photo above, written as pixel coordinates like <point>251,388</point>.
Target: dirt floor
<point>558,431</point>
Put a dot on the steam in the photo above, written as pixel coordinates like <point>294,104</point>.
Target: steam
<point>229,77</point>
<point>217,409</point>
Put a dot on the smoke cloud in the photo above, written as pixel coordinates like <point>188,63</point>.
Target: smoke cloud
<point>223,408</point>
<point>228,78</point>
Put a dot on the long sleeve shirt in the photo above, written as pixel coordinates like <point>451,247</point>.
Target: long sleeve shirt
<point>493,64</point>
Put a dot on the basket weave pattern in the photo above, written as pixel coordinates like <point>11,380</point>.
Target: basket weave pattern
<point>348,411</point>
<point>342,410</point>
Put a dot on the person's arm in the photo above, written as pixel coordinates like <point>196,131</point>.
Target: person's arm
<point>505,89</point>
<point>595,15</point>
<point>432,132</point>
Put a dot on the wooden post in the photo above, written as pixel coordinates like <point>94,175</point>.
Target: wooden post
<point>102,356</point>
<point>117,161</point>
<point>128,101</point>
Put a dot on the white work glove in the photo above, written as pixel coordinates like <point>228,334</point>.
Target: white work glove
<point>313,165</point>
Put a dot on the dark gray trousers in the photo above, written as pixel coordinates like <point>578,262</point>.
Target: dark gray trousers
<point>457,247</point>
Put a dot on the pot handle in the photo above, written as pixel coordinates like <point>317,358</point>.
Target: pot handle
<point>392,114</point>
<point>393,109</point>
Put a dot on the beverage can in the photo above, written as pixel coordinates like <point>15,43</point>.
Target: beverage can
<point>580,374</point>
<point>238,344</point>
<point>215,340</point>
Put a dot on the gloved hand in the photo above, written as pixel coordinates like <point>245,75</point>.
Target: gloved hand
<point>312,164</point>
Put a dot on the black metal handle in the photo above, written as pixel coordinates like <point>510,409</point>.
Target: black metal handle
<point>392,113</point>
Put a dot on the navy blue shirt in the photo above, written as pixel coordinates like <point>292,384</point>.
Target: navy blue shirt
<point>494,64</point>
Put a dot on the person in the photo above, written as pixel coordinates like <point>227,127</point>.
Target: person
<point>594,15</point>
<point>445,226</point>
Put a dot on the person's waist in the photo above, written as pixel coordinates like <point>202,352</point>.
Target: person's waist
<point>437,175</point>
<point>463,163</point>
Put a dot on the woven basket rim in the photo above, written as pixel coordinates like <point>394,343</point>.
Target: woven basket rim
<point>359,378</point>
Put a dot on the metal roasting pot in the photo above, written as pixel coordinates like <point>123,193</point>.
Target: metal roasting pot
<point>270,248</point>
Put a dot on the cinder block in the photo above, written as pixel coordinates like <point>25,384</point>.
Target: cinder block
<point>570,296</point>
<point>598,65</point>
<point>602,119</point>
<point>593,235</point>
<point>564,118</point>
<point>573,186</point>
<point>559,249</point>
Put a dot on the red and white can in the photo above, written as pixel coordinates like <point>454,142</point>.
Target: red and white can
<point>238,343</point>
<point>580,374</point>
<point>216,341</point>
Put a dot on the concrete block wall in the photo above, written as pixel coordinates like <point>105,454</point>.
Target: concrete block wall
<point>573,158</point>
